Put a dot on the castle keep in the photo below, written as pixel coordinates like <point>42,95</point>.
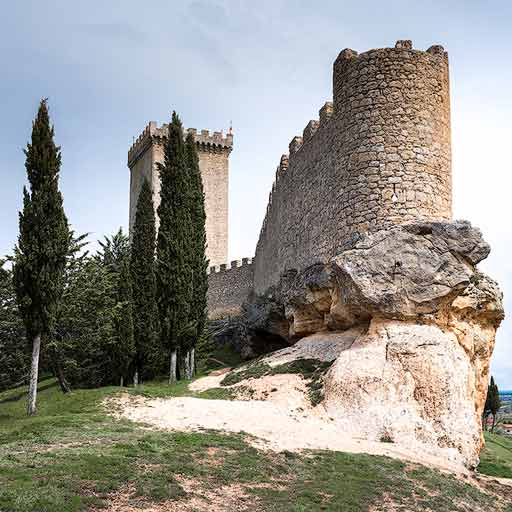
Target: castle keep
<point>213,151</point>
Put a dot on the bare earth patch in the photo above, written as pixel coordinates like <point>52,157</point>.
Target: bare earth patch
<point>282,420</point>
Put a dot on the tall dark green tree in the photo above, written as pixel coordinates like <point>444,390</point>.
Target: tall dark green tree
<point>142,265</point>
<point>115,256</point>
<point>198,260</point>
<point>43,243</point>
<point>14,350</point>
<point>492,403</point>
<point>86,333</point>
<point>173,274</point>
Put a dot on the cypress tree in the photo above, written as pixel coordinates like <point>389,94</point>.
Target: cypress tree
<point>115,256</point>
<point>493,402</point>
<point>123,357</point>
<point>142,265</point>
<point>198,260</point>
<point>173,266</point>
<point>43,243</point>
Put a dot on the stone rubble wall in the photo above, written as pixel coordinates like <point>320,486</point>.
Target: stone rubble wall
<point>229,287</point>
<point>387,133</point>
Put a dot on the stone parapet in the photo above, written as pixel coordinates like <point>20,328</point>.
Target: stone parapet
<point>235,264</point>
<point>205,140</point>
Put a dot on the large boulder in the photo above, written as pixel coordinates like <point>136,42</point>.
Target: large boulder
<point>400,273</point>
<point>307,298</point>
<point>418,374</point>
<point>410,384</point>
<point>413,269</point>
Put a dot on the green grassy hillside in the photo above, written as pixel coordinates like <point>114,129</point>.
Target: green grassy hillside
<point>496,458</point>
<point>73,456</point>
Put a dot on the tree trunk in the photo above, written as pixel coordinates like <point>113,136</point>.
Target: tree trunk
<point>64,385</point>
<point>34,373</point>
<point>192,362</point>
<point>136,378</point>
<point>172,368</point>
<point>121,382</point>
<point>186,363</point>
<point>493,423</point>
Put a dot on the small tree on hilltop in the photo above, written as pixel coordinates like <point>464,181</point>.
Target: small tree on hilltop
<point>492,403</point>
<point>173,265</point>
<point>43,243</point>
<point>142,265</point>
<point>198,260</point>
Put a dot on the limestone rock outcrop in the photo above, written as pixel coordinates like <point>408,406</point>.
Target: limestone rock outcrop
<point>259,329</point>
<point>410,384</point>
<point>418,374</point>
<point>412,270</point>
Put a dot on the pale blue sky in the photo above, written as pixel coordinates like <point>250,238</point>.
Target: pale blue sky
<point>110,67</point>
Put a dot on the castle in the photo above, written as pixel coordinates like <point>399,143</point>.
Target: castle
<point>379,155</point>
<point>358,251</point>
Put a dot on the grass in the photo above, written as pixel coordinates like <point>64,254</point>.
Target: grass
<point>312,370</point>
<point>496,457</point>
<point>72,456</point>
<point>163,390</point>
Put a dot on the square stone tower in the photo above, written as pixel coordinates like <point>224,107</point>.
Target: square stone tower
<point>213,151</point>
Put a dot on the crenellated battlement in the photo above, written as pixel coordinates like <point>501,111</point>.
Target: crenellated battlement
<point>206,141</point>
<point>296,144</point>
<point>235,264</point>
<point>325,115</point>
<point>403,47</point>
<point>229,287</point>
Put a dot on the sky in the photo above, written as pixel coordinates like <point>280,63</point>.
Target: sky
<point>110,67</point>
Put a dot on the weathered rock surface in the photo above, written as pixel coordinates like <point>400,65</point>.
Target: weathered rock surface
<point>411,270</point>
<point>261,328</point>
<point>324,346</point>
<point>417,373</point>
<point>410,384</point>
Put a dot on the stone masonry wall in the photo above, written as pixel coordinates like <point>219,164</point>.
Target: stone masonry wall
<point>379,155</point>
<point>229,288</point>
<point>214,167</point>
<point>302,201</point>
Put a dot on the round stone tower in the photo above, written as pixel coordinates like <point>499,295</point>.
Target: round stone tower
<point>393,148</point>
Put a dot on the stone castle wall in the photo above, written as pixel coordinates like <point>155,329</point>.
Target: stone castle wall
<point>380,155</point>
<point>213,151</point>
<point>229,288</point>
